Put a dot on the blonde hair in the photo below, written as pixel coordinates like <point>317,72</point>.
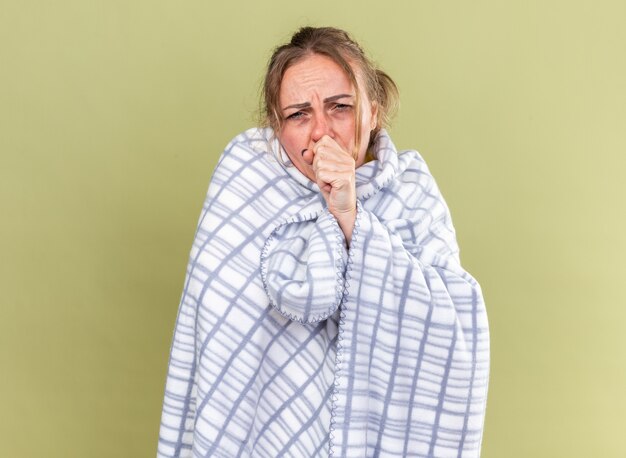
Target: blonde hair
<point>337,45</point>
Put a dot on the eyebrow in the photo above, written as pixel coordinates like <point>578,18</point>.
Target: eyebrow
<point>326,100</point>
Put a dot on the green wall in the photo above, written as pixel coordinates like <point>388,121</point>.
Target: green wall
<point>112,117</point>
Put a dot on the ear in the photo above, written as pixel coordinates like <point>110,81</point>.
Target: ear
<point>374,118</point>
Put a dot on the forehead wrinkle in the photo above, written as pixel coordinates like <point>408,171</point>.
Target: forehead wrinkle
<point>310,81</point>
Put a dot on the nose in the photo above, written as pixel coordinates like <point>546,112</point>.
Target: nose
<point>322,125</point>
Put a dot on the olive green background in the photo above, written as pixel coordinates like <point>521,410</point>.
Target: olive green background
<point>113,115</point>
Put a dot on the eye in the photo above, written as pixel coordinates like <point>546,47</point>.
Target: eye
<point>341,107</point>
<point>296,115</point>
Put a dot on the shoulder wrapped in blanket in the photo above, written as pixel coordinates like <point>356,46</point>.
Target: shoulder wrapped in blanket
<point>287,344</point>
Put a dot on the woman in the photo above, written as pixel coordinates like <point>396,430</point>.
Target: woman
<point>325,312</point>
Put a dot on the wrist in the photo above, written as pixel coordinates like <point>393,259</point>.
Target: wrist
<point>346,221</point>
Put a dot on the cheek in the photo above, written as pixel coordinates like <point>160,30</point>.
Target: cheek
<point>292,141</point>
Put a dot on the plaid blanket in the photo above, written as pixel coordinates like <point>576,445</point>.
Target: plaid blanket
<point>288,344</point>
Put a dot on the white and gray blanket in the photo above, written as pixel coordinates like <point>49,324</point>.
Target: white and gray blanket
<point>287,344</point>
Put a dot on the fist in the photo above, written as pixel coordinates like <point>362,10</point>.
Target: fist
<point>334,172</point>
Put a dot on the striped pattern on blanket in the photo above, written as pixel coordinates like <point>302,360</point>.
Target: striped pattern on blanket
<point>287,344</point>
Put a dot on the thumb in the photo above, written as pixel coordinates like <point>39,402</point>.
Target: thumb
<point>308,155</point>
